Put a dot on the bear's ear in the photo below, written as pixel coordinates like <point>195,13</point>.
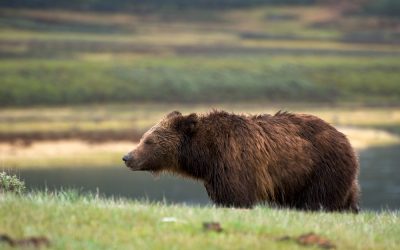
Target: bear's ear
<point>174,113</point>
<point>187,124</point>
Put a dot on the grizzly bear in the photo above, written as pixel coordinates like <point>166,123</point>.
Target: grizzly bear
<point>287,160</point>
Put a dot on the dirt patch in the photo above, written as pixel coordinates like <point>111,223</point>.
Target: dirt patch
<point>212,226</point>
<point>35,242</point>
<point>310,239</point>
<point>61,148</point>
<point>361,138</point>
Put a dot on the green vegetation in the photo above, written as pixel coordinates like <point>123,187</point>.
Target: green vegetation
<point>73,221</point>
<point>11,183</point>
<point>175,79</point>
<point>276,54</point>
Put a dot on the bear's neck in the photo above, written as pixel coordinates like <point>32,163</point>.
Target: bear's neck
<point>194,158</point>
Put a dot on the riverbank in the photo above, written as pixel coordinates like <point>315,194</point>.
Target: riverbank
<point>69,220</point>
<point>98,135</point>
<point>116,122</point>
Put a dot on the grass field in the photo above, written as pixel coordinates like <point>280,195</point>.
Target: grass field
<point>282,54</point>
<point>96,223</point>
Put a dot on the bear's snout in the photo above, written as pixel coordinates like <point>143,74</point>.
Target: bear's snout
<point>130,161</point>
<point>126,158</point>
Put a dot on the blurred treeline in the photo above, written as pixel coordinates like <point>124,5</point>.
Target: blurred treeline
<point>379,7</point>
<point>133,4</point>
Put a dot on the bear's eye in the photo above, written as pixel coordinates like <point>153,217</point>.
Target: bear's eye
<point>148,141</point>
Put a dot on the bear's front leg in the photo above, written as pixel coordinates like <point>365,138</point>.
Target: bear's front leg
<point>226,196</point>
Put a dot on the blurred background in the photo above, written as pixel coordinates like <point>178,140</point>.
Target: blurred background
<point>81,80</point>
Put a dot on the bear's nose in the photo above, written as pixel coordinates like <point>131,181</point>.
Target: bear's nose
<point>125,158</point>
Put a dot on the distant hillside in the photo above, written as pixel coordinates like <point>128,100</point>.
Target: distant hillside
<point>144,4</point>
<point>374,7</point>
<point>274,53</point>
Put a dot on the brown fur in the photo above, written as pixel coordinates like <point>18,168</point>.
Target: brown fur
<point>291,160</point>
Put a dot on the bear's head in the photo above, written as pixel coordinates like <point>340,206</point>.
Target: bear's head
<point>159,147</point>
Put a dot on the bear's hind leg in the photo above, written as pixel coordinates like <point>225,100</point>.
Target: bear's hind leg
<point>352,201</point>
<point>322,196</point>
<point>318,197</point>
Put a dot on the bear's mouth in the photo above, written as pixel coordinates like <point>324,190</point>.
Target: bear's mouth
<point>135,166</point>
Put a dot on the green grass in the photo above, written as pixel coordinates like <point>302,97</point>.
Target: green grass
<point>67,57</point>
<point>73,221</point>
<point>193,79</point>
<point>201,79</point>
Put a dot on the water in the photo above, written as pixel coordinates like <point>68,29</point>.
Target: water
<point>118,182</point>
<point>379,179</point>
